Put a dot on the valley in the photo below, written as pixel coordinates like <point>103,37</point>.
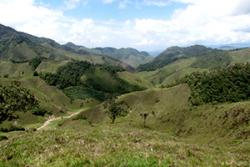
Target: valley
<point>68,105</point>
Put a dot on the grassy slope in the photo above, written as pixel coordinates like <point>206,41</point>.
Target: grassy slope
<point>49,97</point>
<point>170,73</point>
<point>177,135</point>
<point>50,66</point>
<point>170,111</point>
<point>15,69</point>
<point>135,79</point>
<point>240,56</point>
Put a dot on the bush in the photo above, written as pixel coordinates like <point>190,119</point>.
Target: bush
<point>11,127</point>
<point>35,74</point>
<point>3,138</point>
<point>38,111</point>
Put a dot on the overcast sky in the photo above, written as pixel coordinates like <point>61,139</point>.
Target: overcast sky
<point>142,24</point>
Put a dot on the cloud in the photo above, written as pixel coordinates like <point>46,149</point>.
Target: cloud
<point>71,4</point>
<point>108,1</point>
<point>200,22</point>
<point>157,2</point>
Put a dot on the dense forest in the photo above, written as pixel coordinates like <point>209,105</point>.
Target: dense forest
<point>229,84</point>
<point>14,99</point>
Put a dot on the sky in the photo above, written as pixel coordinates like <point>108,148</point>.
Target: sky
<point>143,24</point>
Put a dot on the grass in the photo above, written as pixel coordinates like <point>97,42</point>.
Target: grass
<point>111,145</point>
<point>176,135</point>
<point>16,70</point>
<point>170,73</point>
<point>240,56</point>
<point>50,66</point>
<point>135,79</point>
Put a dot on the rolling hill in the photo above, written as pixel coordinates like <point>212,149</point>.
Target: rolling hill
<point>161,126</point>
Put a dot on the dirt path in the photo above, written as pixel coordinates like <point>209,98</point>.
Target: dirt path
<point>51,119</point>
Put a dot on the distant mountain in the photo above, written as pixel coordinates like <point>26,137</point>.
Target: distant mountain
<point>20,47</point>
<point>232,46</point>
<point>130,56</point>
<point>174,53</point>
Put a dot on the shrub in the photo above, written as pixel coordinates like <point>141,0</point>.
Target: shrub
<point>35,74</point>
<point>38,111</point>
<point>11,127</point>
<point>3,138</point>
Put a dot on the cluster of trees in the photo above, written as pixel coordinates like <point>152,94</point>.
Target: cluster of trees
<point>15,99</point>
<point>102,79</point>
<point>35,62</point>
<point>67,75</point>
<point>229,84</point>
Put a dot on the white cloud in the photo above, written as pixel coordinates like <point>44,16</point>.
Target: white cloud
<point>157,2</point>
<point>108,1</point>
<point>201,21</point>
<point>71,4</point>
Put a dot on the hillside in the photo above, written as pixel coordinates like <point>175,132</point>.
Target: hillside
<point>172,54</point>
<point>171,73</point>
<point>20,47</point>
<point>68,105</point>
<point>129,56</point>
<point>175,134</point>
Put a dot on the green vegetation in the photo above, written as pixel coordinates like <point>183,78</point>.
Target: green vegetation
<point>213,60</point>
<point>115,109</point>
<point>98,81</point>
<point>51,115</point>
<point>230,84</point>
<point>173,54</point>
<point>81,92</point>
<point>15,99</point>
<point>34,63</point>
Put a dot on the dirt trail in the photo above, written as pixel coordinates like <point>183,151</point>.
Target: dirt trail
<point>53,118</point>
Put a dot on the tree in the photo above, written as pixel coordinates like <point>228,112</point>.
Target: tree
<point>115,109</point>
